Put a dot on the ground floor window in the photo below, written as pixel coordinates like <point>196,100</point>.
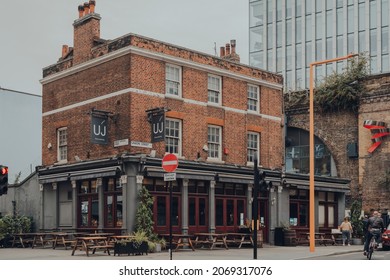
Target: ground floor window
<point>229,212</point>
<point>197,209</point>
<point>162,205</point>
<point>88,204</point>
<point>299,208</point>
<point>113,212</point>
<point>327,210</point>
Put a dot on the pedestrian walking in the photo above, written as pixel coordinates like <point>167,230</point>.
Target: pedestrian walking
<point>346,230</point>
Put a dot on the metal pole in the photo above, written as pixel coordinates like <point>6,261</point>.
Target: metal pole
<point>255,206</point>
<point>170,219</point>
<point>311,145</point>
<point>311,162</point>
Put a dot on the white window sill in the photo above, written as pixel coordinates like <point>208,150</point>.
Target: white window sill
<point>215,160</point>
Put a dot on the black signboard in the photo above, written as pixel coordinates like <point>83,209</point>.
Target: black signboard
<point>99,130</point>
<point>158,126</point>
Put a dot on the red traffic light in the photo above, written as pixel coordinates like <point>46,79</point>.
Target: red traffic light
<point>3,170</point>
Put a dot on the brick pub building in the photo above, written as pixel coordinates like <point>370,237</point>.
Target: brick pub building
<point>219,114</point>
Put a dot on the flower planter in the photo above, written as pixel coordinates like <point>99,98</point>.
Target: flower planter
<point>357,241</point>
<point>130,247</point>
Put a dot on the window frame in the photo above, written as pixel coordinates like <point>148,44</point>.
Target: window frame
<point>62,146</point>
<point>212,143</point>
<point>216,92</point>
<point>179,138</point>
<point>253,99</point>
<point>170,80</point>
<point>257,149</point>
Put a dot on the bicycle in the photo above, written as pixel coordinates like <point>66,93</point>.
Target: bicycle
<point>373,244</point>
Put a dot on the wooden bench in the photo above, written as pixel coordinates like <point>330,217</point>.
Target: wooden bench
<point>239,239</point>
<point>62,238</point>
<point>92,243</point>
<point>327,239</point>
<point>303,239</point>
<point>105,247</point>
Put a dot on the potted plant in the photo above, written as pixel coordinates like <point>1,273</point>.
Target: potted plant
<point>156,244</point>
<point>136,244</point>
<point>357,222</point>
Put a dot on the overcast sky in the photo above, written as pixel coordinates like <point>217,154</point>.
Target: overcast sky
<point>32,32</point>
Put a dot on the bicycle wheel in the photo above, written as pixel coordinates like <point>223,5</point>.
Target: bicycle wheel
<point>369,254</point>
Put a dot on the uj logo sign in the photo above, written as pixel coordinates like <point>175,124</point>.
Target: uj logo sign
<point>379,131</point>
<point>158,129</point>
<point>99,130</point>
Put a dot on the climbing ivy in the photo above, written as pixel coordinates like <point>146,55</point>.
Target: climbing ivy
<point>342,91</point>
<point>338,91</point>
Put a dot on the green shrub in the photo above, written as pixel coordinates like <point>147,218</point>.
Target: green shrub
<point>10,225</point>
<point>144,215</point>
<point>357,223</point>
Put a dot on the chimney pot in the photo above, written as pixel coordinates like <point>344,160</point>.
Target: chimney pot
<point>86,8</point>
<point>65,50</point>
<point>92,4</point>
<point>81,11</point>
<point>222,51</point>
<point>227,49</point>
<point>233,44</point>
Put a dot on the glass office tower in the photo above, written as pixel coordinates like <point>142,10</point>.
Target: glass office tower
<point>285,36</point>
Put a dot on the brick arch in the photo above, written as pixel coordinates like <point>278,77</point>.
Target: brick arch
<point>335,130</point>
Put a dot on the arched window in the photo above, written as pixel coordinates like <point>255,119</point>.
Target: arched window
<point>298,153</point>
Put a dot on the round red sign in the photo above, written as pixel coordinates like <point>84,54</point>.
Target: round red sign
<point>170,162</point>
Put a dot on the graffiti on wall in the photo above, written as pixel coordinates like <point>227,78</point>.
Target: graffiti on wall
<point>379,131</point>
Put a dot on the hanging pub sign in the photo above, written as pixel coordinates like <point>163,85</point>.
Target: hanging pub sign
<point>158,129</point>
<point>99,129</point>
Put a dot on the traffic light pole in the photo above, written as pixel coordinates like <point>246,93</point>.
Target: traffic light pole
<point>255,207</point>
<point>170,219</point>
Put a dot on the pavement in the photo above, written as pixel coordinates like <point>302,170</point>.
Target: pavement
<point>268,252</point>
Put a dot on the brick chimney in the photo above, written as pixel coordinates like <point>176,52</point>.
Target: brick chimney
<point>229,52</point>
<point>86,30</point>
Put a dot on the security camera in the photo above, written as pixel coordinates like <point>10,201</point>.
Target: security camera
<point>205,148</point>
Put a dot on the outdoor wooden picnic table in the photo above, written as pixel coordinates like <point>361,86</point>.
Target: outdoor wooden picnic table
<point>92,243</point>
<point>210,239</point>
<point>62,238</point>
<point>180,240</point>
<point>239,238</point>
<point>26,238</point>
<point>322,238</point>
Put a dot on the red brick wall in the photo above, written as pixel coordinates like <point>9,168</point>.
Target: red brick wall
<point>338,129</point>
<point>147,75</point>
<point>373,166</point>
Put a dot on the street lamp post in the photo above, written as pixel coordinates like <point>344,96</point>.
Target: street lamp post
<point>311,143</point>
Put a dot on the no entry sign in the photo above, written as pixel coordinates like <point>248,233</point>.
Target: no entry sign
<point>170,162</point>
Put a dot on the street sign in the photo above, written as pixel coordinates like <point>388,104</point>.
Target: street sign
<point>169,176</point>
<point>170,162</point>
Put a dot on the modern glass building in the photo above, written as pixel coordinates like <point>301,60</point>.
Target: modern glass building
<point>287,35</point>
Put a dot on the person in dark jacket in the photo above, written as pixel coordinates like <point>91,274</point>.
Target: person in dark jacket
<point>375,227</point>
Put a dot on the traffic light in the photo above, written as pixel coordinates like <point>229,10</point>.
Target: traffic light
<point>3,179</point>
<point>263,184</point>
